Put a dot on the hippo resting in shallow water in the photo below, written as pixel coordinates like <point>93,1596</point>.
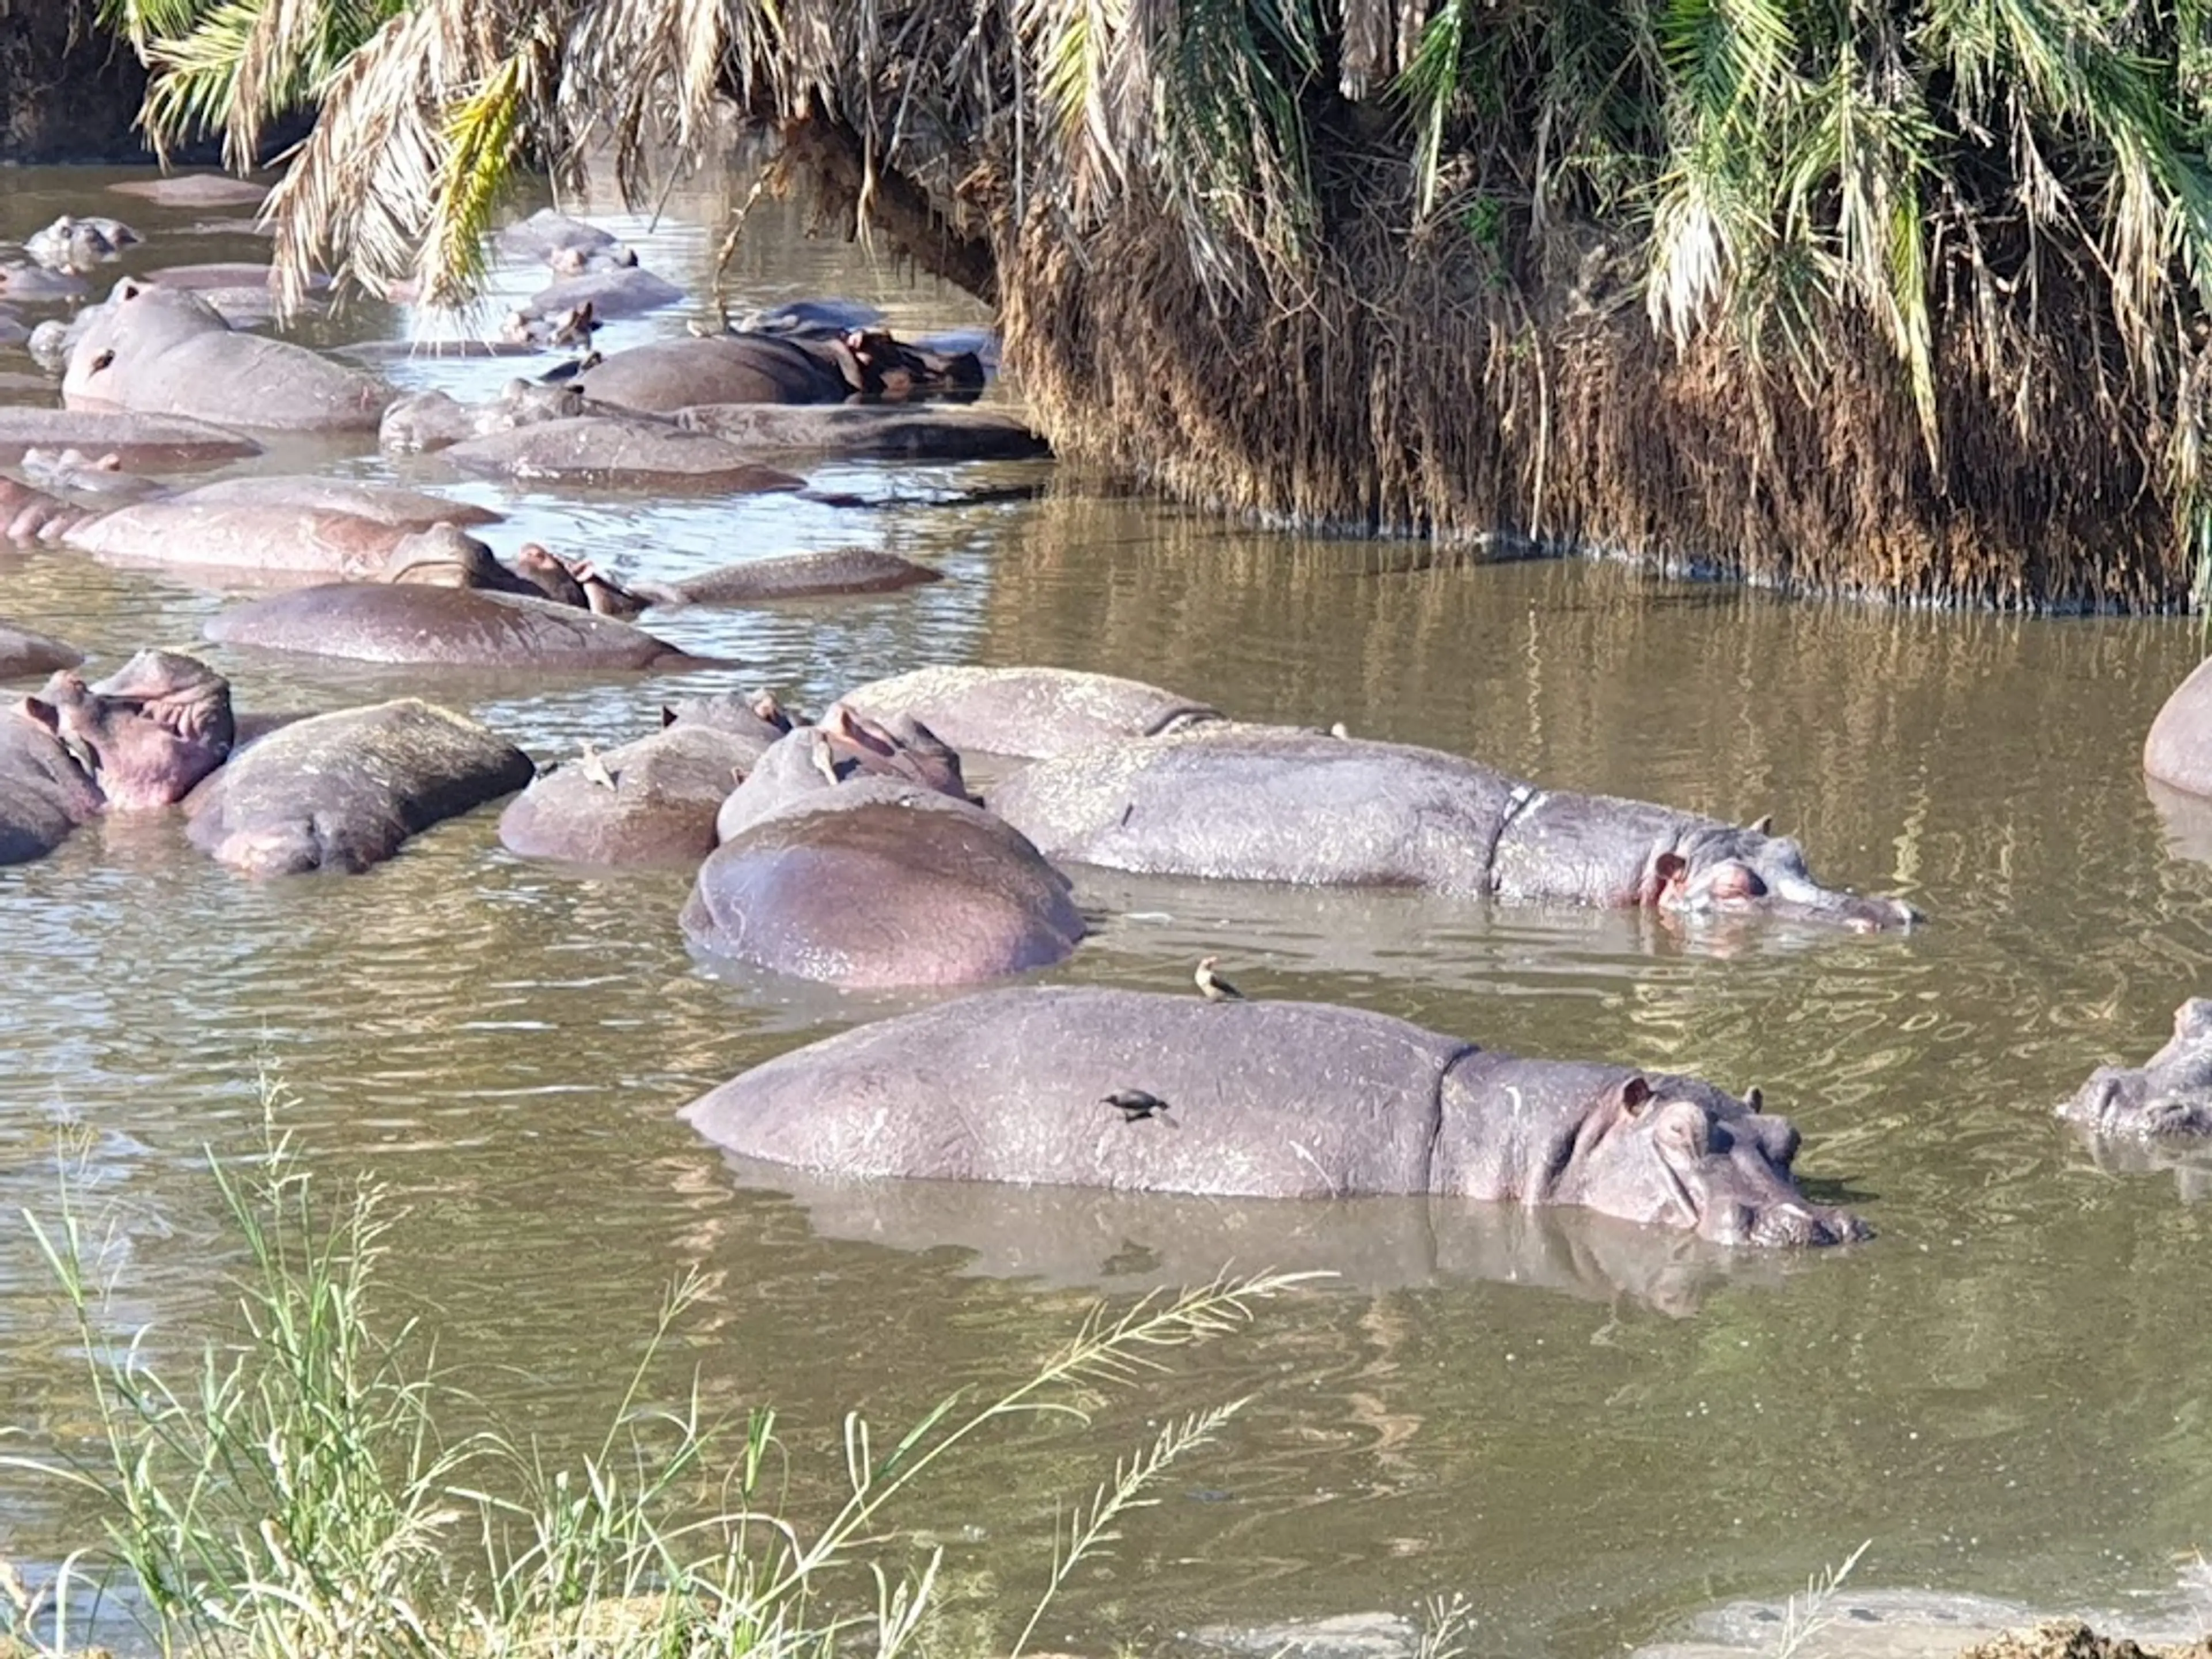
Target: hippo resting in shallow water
<point>1263,803</point>
<point>2169,1094</point>
<point>25,653</point>
<point>1031,712</point>
<point>139,739</point>
<point>851,855</point>
<point>343,792</point>
<point>1263,1099</point>
<point>166,351</point>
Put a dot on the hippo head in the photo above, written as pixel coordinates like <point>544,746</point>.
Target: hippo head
<point>1673,1151</point>
<point>551,575</point>
<point>902,747</point>
<point>444,556</point>
<point>145,734</point>
<point>1719,867</point>
<point>2169,1094</point>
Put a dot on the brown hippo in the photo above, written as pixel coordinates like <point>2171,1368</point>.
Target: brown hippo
<point>669,375</point>
<point>95,480</point>
<point>343,792</point>
<point>161,350</point>
<point>1031,713</point>
<point>607,290</point>
<point>24,653</point>
<point>1262,803</point>
<point>1136,1090</point>
<point>2169,1094</point>
<point>244,541</point>
<point>652,801</point>
<point>139,739</point>
<point>548,236</point>
<point>842,748</point>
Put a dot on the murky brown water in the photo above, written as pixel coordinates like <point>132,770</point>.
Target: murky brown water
<point>1589,1431</point>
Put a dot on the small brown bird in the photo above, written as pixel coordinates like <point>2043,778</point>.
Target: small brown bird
<point>1212,986</point>
<point>825,757</point>
<point>1136,1105</point>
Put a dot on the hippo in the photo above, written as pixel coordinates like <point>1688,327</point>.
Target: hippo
<point>2170,1094</point>
<point>628,453</point>
<point>140,740</point>
<point>235,540</point>
<point>140,443</point>
<point>1286,1100</point>
<point>14,330</point>
<point>24,653</point>
<point>433,420</point>
<point>669,375</point>
<point>343,792</point>
<point>443,626</point>
<point>2177,750</point>
<point>30,515</point>
<point>1260,803</point>
<point>380,503</point>
<point>196,189</point>
<point>88,478</point>
<point>575,261</point>
<point>810,317</point>
<point>807,761</point>
<point>80,245</point>
<point>1031,714</point>
<point>605,291</point>
<point>547,236</point>
<point>37,285</point>
<point>876,883</point>
<point>890,432</point>
<point>166,351</point>
<point>650,802</point>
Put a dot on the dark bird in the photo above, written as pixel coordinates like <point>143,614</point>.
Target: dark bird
<point>569,370</point>
<point>1135,1105</point>
<point>1212,986</point>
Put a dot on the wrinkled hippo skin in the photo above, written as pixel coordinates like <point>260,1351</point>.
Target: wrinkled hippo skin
<point>658,809</point>
<point>1031,713</point>
<point>618,454</point>
<point>165,351</point>
<point>877,882</point>
<point>2177,751</point>
<point>1257,803</point>
<point>137,741</point>
<point>140,443</point>
<point>1269,1100</point>
<point>2169,1094</point>
<point>891,432</point>
<point>771,368</point>
<point>24,653</point>
<point>343,792</point>
<point>448,627</point>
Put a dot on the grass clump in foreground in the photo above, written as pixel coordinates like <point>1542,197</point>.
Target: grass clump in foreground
<point>301,1498</point>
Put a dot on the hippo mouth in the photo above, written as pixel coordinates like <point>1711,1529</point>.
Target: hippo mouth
<point>2116,1110</point>
<point>1785,1225</point>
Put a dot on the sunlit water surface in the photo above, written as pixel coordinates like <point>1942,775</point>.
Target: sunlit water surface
<point>1589,1431</point>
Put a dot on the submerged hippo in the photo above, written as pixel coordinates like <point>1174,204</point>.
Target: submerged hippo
<point>139,739</point>
<point>343,792</point>
<point>198,189</point>
<point>248,540</point>
<point>1260,803</point>
<point>433,420</point>
<point>625,453</point>
<point>97,479</point>
<point>2169,1094</point>
<point>80,245</point>
<point>652,801</point>
<point>163,351</point>
<point>24,652</point>
<point>1033,713</point>
<point>895,432</point>
<point>605,290</point>
<point>549,235</point>
<point>140,443</point>
<point>1264,1099</point>
<point>444,626</point>
<point>771,368</point>
<point>2177,751</point>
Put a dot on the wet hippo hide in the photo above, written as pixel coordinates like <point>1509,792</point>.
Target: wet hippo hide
<point>2169,1095</point>
<point>797,576</point>
<point>371,622</point>
<point>198,189</point>
<point>24,652</point>
<point>617,453</point>
<point>388,504</point>
<point>1027,711</point>
<point>344,791</point>
<point>879,883</point>
<point>668,375</point>
<point>2177,750</point>
<point>1263,1099</point>
<point>165,351</point>
<point>616,291</point>
<point>44,793</point>
<point>904,432</point>
<point>652,801</point>
<point>140,443</point>
<point>243,540</point>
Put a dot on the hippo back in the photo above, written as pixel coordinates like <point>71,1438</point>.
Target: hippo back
<point>451,627</point>
<point>1265,1099</point>
<point>1033,713</point>
<point>739,368</point>
<point>658,808</point>
<point>44,794</point>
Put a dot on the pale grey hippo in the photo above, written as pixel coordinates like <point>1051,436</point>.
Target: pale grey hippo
<point>2169,1094</point>
<point>597,452</point>
<point>343,792</point>
<point>24,652</point>
<point>435,625</point>
<point>249,541</point>
<point>137,741</point>
<point>548,234</point>
<point>895,432</point>
<point>649,802</point>
<point>608,290</point>
<point>165,351</point>
<point>1262,803</point>
<point>2177,751</point>
<point>1030,712</point>
<point>140,443</point>
<point>197,190</point>
<point>92,479</point>
<point>1266,1100</point>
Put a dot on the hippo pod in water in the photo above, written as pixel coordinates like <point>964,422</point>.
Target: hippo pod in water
<point>1030,712</point>
<point>1264,1100</point>
<point>2169,1094</point>
<point>445,626</point>
<point>853,856</point>
<point>343,792</point>
<point>1260,803</point>
<point>652,801</point>
<point>139,739</point>
<point>165,350</point>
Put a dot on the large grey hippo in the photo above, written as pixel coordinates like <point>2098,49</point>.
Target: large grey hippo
<point>1081,1086</point>
<point>896,432</point>
<point>343,792</point>
<point>1032,712</point>
<point>625,454</point>
<point>24,652</point>
<point>2177,751</point>
<point>199,189</point>
<point>2169,1094</point>
<point>1261,803</point>
<point>161,350</point>
<point>243,541</point>
<point>139,739</point>
<point>140,443</point>
<point>443,626</point>
<point>851,855</point>
<point>669,375</point>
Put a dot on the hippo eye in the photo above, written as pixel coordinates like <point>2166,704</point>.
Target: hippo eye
<point>102,360</point>
<point>1737,881</point>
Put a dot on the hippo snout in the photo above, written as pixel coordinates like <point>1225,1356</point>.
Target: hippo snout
<point>1804,1227</point>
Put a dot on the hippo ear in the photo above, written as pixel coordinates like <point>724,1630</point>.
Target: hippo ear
<point>1668,869</point>
<point>1761,825</point>
<point>43,712</point>
<point>1753,1102</point>
<point>1635,1095</point>
<point>667,717</point>
<point>111,462</point>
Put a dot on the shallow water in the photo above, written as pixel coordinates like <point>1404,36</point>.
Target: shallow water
<point>1591,1432</point>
